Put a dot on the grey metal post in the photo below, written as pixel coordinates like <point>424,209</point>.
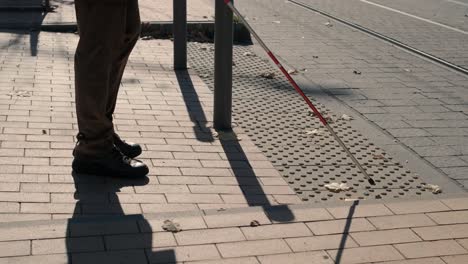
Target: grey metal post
<point>223,66</point>
<point>180,34</point>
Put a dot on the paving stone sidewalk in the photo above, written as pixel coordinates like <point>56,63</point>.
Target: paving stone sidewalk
<point>150,10</point>
<point>50,215</point>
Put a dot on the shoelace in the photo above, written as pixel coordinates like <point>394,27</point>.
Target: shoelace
<point>118,155</point>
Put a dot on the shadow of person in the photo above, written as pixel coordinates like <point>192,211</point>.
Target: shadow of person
<point>100,231</point>
<point>239,163</point>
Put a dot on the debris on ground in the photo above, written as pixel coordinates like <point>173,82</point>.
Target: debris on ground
<point>205,47</point>
<point>293,72</point>
<point>408,70</point>
<point>146,37</point>
<point>435,189</point>
<point>249,54</point>
<point>378,156</point>
<point>268,75</point>
<point>254,223</point>
<point>315,132</point>
<point>357,72</point>
<point>20,93</point>
<point>277,22</point>
<point>352,199</point>
<point>346,117</point>
<point>315,57</point>
<point>171,226</point>
<point>303,70</point>
<point>337,187</point>
<point>44,132</point>
<point>329,24</point>
<point>204,75</point>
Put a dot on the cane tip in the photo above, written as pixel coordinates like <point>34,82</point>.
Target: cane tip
<point>371,181</point>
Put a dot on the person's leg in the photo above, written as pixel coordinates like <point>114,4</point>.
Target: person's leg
<point>132,33</point>
<point>101,27</point>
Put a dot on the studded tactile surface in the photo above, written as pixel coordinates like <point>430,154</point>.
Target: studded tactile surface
<point>274,116</point>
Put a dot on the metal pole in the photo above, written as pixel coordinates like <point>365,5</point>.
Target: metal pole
<point>180,34</point>
<point>223,66</point>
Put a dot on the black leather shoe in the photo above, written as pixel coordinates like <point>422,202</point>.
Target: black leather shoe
<point>129,149</point>
<point>114,164</point>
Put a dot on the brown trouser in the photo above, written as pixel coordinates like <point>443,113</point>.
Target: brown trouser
<point>108,29</point>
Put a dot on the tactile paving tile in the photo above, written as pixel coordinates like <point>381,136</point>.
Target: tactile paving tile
<point>279,122</point>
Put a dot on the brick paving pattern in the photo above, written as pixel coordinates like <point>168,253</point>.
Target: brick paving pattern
<point>48,215</point>
<point>150,10</point>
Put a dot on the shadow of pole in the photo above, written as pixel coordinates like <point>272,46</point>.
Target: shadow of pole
<point>97,215</point>
<point>194,107</point>
<point>239,163</point>
<point>344,238</point>
<point>30,19</point>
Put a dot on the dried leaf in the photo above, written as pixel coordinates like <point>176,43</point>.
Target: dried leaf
<point>20,93</point>
<point>346,117</point>
<point>268,75</point>
<point>357,72</point>
<point>337,187</point>
<point>315,132</point>
<point>378,156</point>
<point>171,226</point>
<point>249,54</point>
<point>44,132</point>
<point>293,72</point>
<point>255,223</point>
<point>435,189</point>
